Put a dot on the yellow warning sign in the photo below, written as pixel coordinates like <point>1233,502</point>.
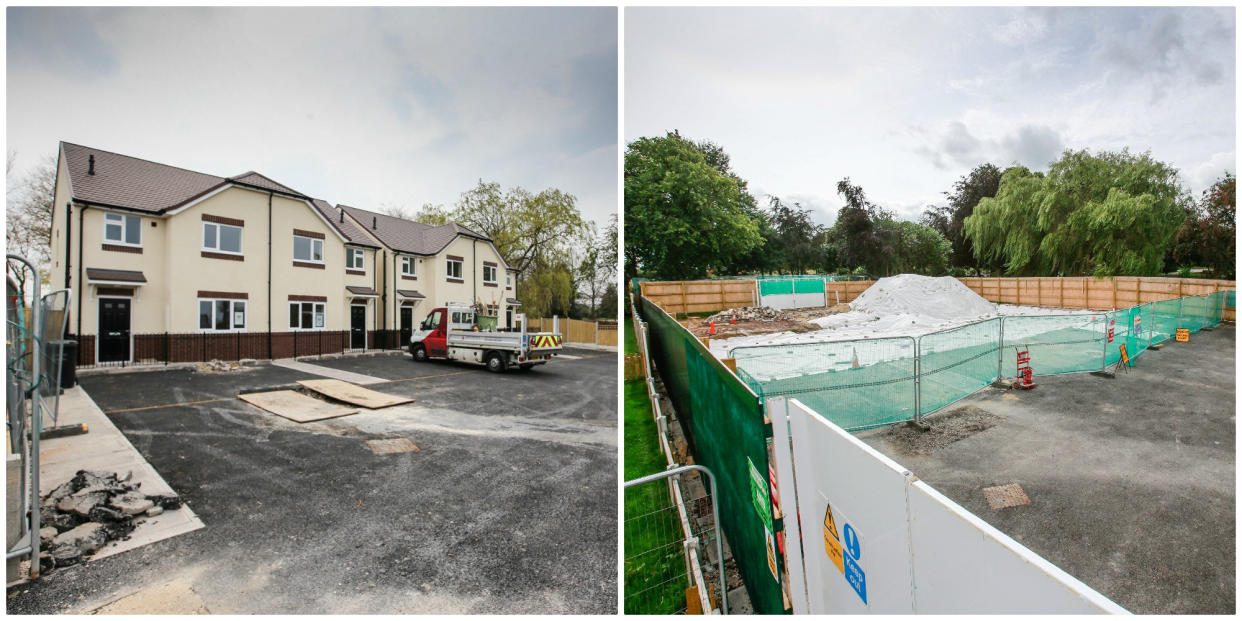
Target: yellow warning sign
<point>771,554</point>
<point>1183,335</point>
<point>1125,356</point>
<point>832,543</point>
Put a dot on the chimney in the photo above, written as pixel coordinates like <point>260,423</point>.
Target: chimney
<point>373,220</point>
<point>90,162</point>
<point>342,215</point>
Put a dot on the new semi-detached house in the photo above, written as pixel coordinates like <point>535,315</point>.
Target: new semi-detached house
<point>152,249</point>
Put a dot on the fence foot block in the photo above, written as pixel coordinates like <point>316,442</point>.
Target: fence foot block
<point>1157,346</point>
<point>1107,374</point>
<point>1001,383</point>
<point>920,425</point>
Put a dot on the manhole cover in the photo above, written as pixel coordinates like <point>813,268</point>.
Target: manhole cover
<point>1005,496</point>
<point>394,445</point>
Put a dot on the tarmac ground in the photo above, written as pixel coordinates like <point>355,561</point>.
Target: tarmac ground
<point>508,505</point>
<point>1132,480</point>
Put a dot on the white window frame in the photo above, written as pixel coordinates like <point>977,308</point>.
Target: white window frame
<point>233,327</point>
<point>409,262</point>
<point>355,253</point>
<point>317,308</point>
<point>241,240</point>
<point>492,280</point>
<point>121,220</point>
<point>313,241</point>
<point>508,280</point>
<point>449,269</point>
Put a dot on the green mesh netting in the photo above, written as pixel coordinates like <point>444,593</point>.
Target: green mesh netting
<point>776,287</point>
<point>955,363</point>
<point>1164,319</point>
<point>1057,343</point>
<point>855,384</point>
<point>726,431</point>
<point>809,285</point>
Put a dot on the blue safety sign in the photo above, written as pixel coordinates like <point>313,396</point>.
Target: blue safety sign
<point>851,542</point>
<point>856,577</point>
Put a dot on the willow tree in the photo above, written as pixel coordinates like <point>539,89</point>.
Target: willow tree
<point>1104,214</point>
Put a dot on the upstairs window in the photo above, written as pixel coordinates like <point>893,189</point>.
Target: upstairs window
<point>407,266</point>
<point>222,238</point>
<point>122,229</point>
<point>489,274</point>
<point>307,249</point>
<point>355,259</point>
<point>508,281</point>
<point>454,268</point>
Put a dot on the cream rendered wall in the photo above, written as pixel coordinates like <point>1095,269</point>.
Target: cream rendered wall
<point>473,253</point>
<point>288,279</point>
<point>424,282</point>
<point>190,272</point>
<point>149,301</point>
<point>57,268</point>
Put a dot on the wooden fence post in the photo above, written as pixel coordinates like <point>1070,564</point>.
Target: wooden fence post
<point>685,307</point>
<point>1114,278</point>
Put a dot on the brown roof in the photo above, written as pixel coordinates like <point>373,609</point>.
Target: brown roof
<point>344,226</point>
<point>96,273</point>
<point>410,293</point>
<point>512,301</point>
<point>253,178</point>
<point>407,235</point>
<point>143,185</point>
<point>362,290</point>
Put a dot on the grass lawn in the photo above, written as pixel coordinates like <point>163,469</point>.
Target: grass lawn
<point>655,578</point>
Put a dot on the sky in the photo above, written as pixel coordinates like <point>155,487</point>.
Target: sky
<point>366,107</point>
<point>906,101</point>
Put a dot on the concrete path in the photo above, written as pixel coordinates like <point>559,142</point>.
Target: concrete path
<point>322,371</point>
<point>105,448</point>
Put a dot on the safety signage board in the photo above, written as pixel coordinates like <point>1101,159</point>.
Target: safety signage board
<point>845,551</point>
<point>1183,335</point>
<point>771,541</point>
<point>1111,324</point>
<point>1138,324</point>
<point>759,494</point>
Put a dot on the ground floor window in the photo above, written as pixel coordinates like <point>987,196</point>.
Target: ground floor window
<point>493,310</point>
<point>221,315</point>
<point>306,315</point>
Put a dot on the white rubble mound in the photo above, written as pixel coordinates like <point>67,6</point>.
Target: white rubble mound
<point>904,305</point>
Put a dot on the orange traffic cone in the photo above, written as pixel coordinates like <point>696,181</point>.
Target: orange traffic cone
<point>732,318</point>
<point>712,330</point>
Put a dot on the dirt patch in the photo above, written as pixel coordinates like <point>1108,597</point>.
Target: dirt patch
<point>945,429</point>
<point>751,320</point>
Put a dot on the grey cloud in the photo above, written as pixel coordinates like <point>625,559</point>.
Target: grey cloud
<point>1033,146</point>
<point>956,147</point>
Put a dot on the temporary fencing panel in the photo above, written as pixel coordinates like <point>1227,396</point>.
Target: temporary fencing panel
<point>1057,343</point>
<point>956,363</point>
<point>1164,319</point>
<point>727,433</point>
<point>876,540</point>
<point>858,384</point>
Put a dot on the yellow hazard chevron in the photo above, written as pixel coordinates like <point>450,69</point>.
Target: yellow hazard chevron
<point>545,340</point>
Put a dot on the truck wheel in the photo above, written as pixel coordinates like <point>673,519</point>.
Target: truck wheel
<point>419,353</point>
<point>496,363</point>
<point>526,367</point>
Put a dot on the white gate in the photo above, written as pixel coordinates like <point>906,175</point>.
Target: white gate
<point>785,293</point>
<point>874,540</point>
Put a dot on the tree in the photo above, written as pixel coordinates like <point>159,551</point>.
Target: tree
<point>800,241</point>
<point>1208,235</point>
<point>597,270</point>
<point>685,212</point>
<point>1102,214</point>
<point>28,216</point>
<point>854,235</point>
<point>982,182</point>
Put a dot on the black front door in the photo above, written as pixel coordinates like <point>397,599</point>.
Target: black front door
<point>113,330</point>
<point>358,327</point>
<point>407,325</point>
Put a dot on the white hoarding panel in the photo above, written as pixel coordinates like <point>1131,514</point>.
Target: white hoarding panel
<point>852,503</point>
<point>964,565</point>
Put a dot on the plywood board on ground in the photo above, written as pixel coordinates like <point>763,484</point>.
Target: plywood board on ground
<point>296,406</point>
<point>349,393</point>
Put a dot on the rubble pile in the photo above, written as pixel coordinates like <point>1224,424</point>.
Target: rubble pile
<point>83,514</point>
<point>745,313</point>
<point>218,366</point>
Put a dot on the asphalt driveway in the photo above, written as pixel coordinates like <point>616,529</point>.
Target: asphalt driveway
<point>507,506</point>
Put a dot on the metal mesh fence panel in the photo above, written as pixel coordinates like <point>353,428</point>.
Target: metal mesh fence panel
<point>1058,343</point>
<point>1164,319</point>
<point>955,363</point>
<point>776,287</point>
<point>725,428</point>
<point>855,384</point>
<point>656,560</point>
